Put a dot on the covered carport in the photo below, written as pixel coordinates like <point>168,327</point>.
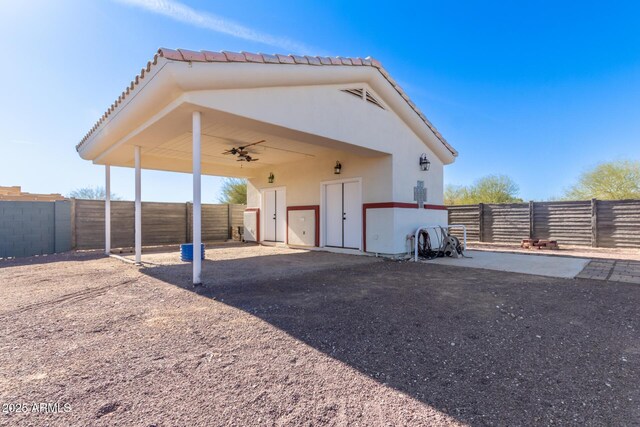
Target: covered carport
<point>182,113</point>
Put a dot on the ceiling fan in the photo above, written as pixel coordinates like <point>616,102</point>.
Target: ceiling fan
<point>242,152</point>
<point>246,158</point>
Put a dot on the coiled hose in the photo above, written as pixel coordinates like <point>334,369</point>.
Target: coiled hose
<point>424,246</point>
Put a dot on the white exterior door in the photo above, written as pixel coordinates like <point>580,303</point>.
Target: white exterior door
<point>351,215</point>
<point>269,216</point>
<point>334,215</point>
<point>281,216</point>
<point>343,222</point>
<point>275,221</point>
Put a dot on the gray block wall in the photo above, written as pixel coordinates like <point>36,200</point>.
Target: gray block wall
<point>34,228</point>
<point>26,228</point>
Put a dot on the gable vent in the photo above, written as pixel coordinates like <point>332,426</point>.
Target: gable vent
<point>374,101</point>
<point>356,92</point>
<point>367,96</point>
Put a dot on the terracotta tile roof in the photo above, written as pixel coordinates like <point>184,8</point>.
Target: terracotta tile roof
<point>224,56</point>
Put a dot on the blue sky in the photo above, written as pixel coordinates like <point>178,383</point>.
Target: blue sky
<point>539,91</point>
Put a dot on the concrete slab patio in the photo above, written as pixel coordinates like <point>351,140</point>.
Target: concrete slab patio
<point>563,267</point>
<point>628,254</point>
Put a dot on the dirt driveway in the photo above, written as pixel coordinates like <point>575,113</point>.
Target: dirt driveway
<point>304,338</point>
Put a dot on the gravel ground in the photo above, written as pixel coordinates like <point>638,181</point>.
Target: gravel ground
<point>313,339</point>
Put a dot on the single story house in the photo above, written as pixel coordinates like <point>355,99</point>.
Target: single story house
<point>335,153</point>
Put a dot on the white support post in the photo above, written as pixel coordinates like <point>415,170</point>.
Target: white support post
<point>107,209</point>
<point>138,208</point>
<point>197,208</point>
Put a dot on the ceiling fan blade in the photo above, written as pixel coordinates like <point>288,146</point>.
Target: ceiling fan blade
<point>253,143</point>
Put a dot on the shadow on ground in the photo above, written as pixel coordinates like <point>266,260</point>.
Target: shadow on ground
<point>52,258</point>
<point>484,347</point>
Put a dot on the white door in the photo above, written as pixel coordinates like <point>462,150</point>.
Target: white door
<point>342,215</point>
<point>334,211</point>
<point>281,216</point>
<point>275,220</point>
<point>351,215</point>
<point>270,215</point>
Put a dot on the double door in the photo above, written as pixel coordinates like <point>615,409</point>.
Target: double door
<point>275,220</point>
<point>343,216</point>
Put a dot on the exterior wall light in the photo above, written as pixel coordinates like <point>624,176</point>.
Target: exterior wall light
<point>337,168</point>
<point>271,178</point>
<point>424,162</point>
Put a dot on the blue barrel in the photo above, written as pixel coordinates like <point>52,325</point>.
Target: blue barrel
<point>186,251</point>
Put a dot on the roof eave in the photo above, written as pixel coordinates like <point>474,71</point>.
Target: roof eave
<point>164,56</point>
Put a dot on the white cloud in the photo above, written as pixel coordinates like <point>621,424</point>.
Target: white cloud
<point>183,13</point>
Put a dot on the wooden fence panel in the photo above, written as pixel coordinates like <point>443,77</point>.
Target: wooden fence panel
<point>163,223</point>
<point>601,223</point>
<point>506,223</point>
<point>467,215</point>
<point>618,223</point>
<point>122,224</point>
<point>89,224</point>
<point>215,223</point>
<point>237,219</point>
<point>567,222</point>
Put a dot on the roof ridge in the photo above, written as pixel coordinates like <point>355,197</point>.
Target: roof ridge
<point>186,55</point>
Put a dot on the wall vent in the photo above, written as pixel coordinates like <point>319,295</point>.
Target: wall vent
<point>373,100</point>
<point>367,96</point>
<point>356,92</point>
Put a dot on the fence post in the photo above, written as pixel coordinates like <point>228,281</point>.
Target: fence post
<point>594,223</point>
<point>531,223</point>
<point>73,224</point>
<point>229,232</point>
<point>189,222</point>
<point>54,226</point>
<point>481,222</point>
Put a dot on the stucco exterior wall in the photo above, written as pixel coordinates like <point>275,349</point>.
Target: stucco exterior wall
<point>251,225</point>
<point>317,111</point>
<point>302,227</point>
<point>406,173</point>
<point>302,181</point>
<point>407,221</point>
<point>385,178</point>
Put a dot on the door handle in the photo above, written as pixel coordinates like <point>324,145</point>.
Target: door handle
<point>274,216</point>
<point>344,216</point>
